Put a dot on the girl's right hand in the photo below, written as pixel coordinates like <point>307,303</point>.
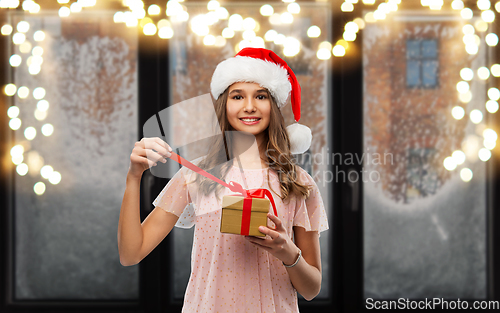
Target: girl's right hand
<point>146,154</point>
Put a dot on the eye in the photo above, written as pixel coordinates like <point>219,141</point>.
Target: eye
<point>261,97</point>
<point>237,97</point>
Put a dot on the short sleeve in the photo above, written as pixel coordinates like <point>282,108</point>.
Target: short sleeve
<point>175,195</point>
<point>310,213</point>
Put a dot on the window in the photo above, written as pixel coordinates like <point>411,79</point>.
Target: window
<point>421,63</point>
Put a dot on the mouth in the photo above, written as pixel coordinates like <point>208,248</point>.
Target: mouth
<point>250,121</point>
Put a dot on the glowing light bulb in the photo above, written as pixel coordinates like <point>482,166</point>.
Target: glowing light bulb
<point>458,112</point>
<point>286,18</point>
<point>491,106</point>
<point>42,105</point>
<point>47,129</point>
<point>466,74</point>
<point>347,7</point>
<point>39,35</point>
<point>64,12</point>
<point>23,26</point>
<point>15,60</point>
<point>466,174</point>
<point>23,92</point>
<point>10,89</point>
<point>476,116</point>
<point>323,54</point>
<point>488,16</point>
<point>13,112</point>
<point>39,188</point>
<point>22,169</point>
<point>293,8</point>
<point>229,33</point>
<point>6,30</point>
<point>483,73</point>
<point>18,38</point>
<point>495,70</point>
<point>222,13</point>
<point>484,154</point>
<point>269,36</point>
<point>338,51</point>
<point>39,93</point>
<point>468,29</point>
<point>209,40</point>
<point>466,13</point>
<point>154,9</point>
<point>149,29</point>
<point>449,164</point>
<point>30,133</point>
<point>266,10</point>
<point>494,94</point>
<point>491,39</point>
<point>462,87</point>
<point>15,123</point>
<point>40,115</point>
<point>55,178</point>
<point>17,150</point>
<point>46,170</point>
<point>490,135</point>
<point>213,5</point>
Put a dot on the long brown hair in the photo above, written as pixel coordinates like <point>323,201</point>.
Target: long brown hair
<point>278,155</point>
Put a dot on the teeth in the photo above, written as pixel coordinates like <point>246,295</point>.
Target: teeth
<point>249,120</point>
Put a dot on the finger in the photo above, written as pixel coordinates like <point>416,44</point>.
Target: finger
<point>271,233</point>
<point>158,148</point>
<point>276,221</point>
<point>260,245</point>
<point>142,160</point>
<point>261,240</point>
<point>155,156</point>
<point>163,144</point>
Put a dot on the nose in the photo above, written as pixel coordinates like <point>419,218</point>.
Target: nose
<point>249,105</point>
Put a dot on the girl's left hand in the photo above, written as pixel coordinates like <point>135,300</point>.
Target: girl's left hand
<point>280,244</point>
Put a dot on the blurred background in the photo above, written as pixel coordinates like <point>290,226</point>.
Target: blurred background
<point>401,97</point>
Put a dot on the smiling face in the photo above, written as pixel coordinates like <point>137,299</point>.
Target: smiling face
<point>249,108</point>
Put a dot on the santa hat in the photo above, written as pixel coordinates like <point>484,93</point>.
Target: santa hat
<point>264,67</point>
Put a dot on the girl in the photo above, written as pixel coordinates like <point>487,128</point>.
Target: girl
<point>235,273</point>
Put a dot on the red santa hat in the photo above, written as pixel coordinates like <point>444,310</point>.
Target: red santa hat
<point>264,67</point>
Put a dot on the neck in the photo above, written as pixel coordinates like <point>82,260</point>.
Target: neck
<point>249,149</point>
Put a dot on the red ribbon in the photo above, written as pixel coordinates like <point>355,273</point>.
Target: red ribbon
<point>235,187</point>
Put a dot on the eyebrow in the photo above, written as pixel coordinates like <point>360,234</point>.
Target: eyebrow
<point>239,90</point>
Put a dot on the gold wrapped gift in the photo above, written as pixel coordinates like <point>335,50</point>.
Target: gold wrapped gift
<point>243,216</point>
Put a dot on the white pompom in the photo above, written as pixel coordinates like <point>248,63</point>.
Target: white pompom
<point>300,137</point>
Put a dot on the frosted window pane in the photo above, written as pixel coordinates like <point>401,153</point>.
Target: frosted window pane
<point>413,73</point>
<point>65,239</point>
<point>413,49</point>
<point>424,229</point>
<point>429,49</point>
<point>429,73</point>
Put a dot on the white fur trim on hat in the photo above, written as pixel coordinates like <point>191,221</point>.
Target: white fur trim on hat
<point>245,69</point>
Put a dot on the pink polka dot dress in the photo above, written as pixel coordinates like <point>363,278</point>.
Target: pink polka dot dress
<point>228,273</point>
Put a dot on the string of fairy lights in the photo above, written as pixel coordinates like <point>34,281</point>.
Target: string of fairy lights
<point>27,46</point>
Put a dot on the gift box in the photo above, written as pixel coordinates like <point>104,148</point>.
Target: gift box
<point>243,215</point>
